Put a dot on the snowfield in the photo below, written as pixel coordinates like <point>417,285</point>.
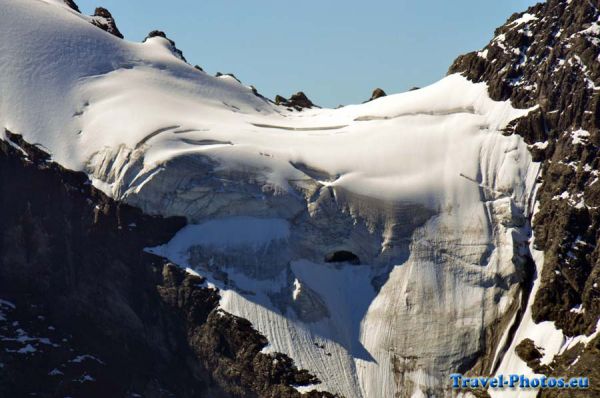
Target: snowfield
<point>422,186</point>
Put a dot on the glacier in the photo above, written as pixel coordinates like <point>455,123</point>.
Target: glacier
<point>423,187</point>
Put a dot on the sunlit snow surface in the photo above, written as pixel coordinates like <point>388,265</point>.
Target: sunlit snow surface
<point>422,186</point>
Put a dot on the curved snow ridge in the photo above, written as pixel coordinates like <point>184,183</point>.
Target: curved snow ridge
<point>87,91</point>
<point>382,159</point>
<point>45,72</point>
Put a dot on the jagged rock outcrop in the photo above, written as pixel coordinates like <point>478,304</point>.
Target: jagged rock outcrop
<point>548,57</point>
<point>219,74</point>
<point>86,312</point>
<point>72,5</point>
<point>297,101</point>
<point>103,19</point>
<point>578,361</point>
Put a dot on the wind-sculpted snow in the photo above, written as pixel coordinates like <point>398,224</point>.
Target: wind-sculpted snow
<point>422,187</point>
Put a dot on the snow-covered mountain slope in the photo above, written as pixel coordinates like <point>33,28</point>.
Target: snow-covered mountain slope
<point>421,193</point>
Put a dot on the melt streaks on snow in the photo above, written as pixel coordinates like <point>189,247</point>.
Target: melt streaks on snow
<point>329,347</point>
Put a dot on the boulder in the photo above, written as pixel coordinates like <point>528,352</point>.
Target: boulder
<point>377,93</point>
<point>297,101</point>
<point>103,19</point>
<point>72,5</point>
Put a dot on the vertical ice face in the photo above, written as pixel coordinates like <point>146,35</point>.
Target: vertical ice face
<point>439,232</point>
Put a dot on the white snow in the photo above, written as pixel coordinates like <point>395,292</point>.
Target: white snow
<point>578,309</point>
<point>297,289</point>
<point>85,377</point>
<point>578,136</point>
<point>305,389</point>
<point>81,358</point>
<point>564,195</point>
<point>540,144</point>
<point>8,304</point>
<point>120,93</point>
<point>525,18</point>
<point>28,349</point>
<point>593,30</point>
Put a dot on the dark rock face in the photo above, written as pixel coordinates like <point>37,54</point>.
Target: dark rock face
<point>219,74</point>
<point>342,256</point>
<point>377,93</point>
<point>85,312</point>
<point>528,352</point>
<point>103,19</point>
<point>548,57</point>
<point>159,33</point>
<point>297,101</point>
<point>71,4</point>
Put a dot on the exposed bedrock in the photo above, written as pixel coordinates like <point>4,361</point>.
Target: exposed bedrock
<point>103,19</point>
